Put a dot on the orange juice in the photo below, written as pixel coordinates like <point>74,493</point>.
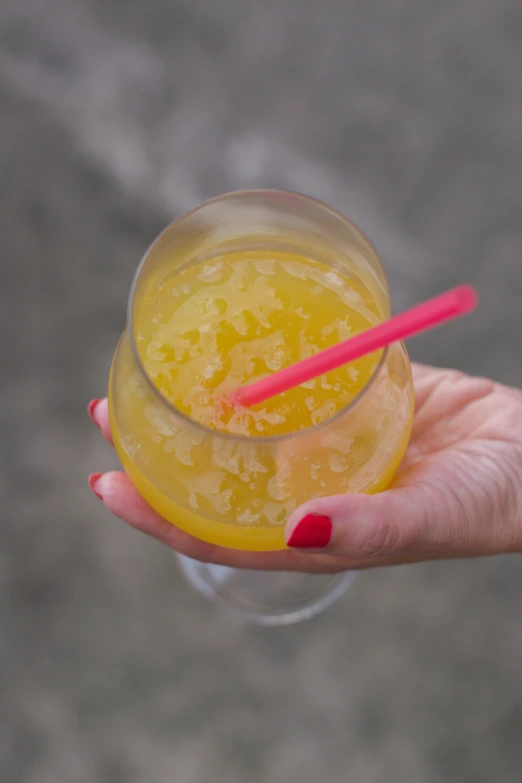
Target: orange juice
<point>230,321</point>
<point>232,477</point>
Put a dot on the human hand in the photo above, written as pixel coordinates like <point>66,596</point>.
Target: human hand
<point>458,492</point>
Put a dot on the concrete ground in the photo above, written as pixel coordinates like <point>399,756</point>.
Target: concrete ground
<point>115,117</point>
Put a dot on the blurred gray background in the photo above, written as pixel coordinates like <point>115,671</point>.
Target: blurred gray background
<point>116,117</point>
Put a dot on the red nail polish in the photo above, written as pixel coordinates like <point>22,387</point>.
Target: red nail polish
<point>312,532</point>
<point>91,408</point>
<point>93,480</point>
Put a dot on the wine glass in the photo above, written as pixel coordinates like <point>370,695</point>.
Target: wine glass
<point>207,481</point>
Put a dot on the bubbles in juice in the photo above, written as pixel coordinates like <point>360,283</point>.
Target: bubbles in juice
<point>230,321</point>
<point>236,319</point>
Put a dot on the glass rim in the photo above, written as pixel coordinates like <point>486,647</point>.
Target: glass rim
<point>222,433</point>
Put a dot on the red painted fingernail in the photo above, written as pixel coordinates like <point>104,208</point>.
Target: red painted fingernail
<point>312,532</point>
<point>93,480</point>
<point>91,408</point>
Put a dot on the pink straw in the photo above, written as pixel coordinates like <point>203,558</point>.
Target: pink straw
<point>452,304</point>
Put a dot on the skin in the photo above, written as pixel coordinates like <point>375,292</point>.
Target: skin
<point>458,493</point>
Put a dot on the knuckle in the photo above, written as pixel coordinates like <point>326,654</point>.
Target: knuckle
<point>452,377</point>
<point>383,538</point>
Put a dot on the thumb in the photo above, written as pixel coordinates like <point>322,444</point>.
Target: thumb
<point>398,525</point>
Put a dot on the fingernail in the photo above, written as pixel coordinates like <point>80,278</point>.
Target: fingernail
<point>93,480</point>
<point>312,532</point>
<point>91,410</point>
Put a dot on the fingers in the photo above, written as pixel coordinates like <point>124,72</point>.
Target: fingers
<point>359,527</point>
<point>454,509</point>
<point>98,410</point>
<point>402,525</point>
<point>325,535</point>
<point>376,542</point>
<point>119,495</point>
<point>420,371</point>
